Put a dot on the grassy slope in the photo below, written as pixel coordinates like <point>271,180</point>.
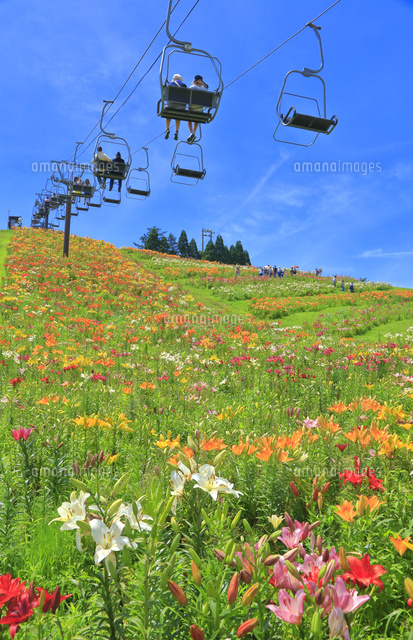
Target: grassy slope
<point>240,307</point>
<point>5,238</point>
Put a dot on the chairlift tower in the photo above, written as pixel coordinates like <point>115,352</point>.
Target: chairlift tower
<point>207,233</point>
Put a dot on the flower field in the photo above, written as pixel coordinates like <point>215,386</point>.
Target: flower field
<point>180,461</point>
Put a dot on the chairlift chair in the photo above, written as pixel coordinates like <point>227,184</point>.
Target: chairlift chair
<point>318,123</point>
<point>111,170</point>
<point>196,172</point>
<point>138,185</point>
<point>96,200</point>
<point>206,101</point>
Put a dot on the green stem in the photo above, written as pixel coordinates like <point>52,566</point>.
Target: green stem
<point>146,597</point>
<point>109,607</point>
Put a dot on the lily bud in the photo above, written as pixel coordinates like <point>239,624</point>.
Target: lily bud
<point>196,633</point>
<point>319,597</point>
<point>250,594</point>
<point>233,588</point>
<point>196,573</point>
<point>292,570</point>
<point>246,627</point>
<point>315,481</point>
<point>291,554</point>
<point>270,561</point>
<point>408,585</point>
<point>325,555</point>
<point>219,554</point>
<point>76,468</point>
<point>294,489</point>
<point>315,494</point>
<point>313,525</point>
<point>302,551</point>
<point>344,563</point>
<point>94,460</point>
<point>56,599</point>
<point>316,624</point>
<point>289,522</point>
<point>326,487</point>
<point>306,531</point>
<point>177,593</point>
<point>31,592</point>
<point>245,576</point>
<point>101,456</point>
<point>331,567</point>
<point>319,544</point>
<point>320,502</point>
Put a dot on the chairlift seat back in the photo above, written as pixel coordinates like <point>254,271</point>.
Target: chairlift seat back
<point>115,170</point>
<point>174,97</point>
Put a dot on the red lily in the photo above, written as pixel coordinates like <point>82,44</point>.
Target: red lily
<point>374,483</point>
<point>351,476</point>
<point>21,612</point>
<point>51,600</point>
<point>10,588</point>
<point>363,573</point>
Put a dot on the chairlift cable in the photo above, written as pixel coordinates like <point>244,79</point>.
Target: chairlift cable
<point>282,44</point>
<point>142,78</point>
<point>257,63</point>
<point>133,70</point>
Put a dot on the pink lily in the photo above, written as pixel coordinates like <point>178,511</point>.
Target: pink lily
<point>348,601</point>
<point>282,578</point>
<point>290,609</point>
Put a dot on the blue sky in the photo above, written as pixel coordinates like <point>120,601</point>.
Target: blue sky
<point>60,60</point>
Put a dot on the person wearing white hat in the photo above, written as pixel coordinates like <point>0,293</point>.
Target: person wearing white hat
<point>177,81</point>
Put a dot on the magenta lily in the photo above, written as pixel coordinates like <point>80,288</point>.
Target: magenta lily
<point>22,433</point>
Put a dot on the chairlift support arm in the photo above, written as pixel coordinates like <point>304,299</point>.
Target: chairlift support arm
<point>186,45</point>
<point>310,72</point>
<point>106,105</point>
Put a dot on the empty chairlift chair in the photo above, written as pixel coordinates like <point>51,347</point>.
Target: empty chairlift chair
<point>316,123</point>
<point>187,168</point>
<point>138,184</point>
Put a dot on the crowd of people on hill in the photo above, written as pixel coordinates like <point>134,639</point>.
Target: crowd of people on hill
<point>276,272</point>
<point>279,272</point>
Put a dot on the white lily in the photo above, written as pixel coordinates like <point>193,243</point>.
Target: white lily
<point>136,522</point>
<point>71,512</point>
<point>107,540</point>
<point>212,484</point>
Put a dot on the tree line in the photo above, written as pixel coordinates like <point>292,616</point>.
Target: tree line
<point>156,240</point>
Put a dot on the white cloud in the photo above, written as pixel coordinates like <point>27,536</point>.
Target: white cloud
<point>378,253</point>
